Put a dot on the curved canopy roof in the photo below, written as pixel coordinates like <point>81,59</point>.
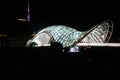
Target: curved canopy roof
<point>70,37</point>
<point>100,33</point>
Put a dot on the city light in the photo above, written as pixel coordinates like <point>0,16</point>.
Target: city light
<point>21,19</point>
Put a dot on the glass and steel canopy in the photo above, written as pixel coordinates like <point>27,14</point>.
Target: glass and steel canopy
<point>68,36</point>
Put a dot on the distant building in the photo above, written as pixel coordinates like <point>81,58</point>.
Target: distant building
<point>3,40</point>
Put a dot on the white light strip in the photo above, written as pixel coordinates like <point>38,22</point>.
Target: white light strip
<point>100,44</point>
<point>47,45</point>
<point>94,44</point>
<point>44,45</point>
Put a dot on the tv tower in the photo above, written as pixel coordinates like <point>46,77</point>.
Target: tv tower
<point>28,13</point>
<point>27,19</point>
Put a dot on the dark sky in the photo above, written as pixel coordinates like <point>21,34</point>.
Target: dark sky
<point>79,15</point>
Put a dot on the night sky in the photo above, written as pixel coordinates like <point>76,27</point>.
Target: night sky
<point>79,15</point>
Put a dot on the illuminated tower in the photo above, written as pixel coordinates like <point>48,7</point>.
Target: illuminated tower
<point>28,13</point>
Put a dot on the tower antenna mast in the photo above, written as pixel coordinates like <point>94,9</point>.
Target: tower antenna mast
<point>28,12</point>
